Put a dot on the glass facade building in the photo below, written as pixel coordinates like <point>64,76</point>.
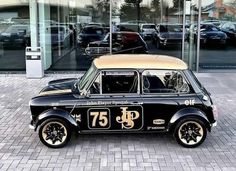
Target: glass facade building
<point>72,33</point>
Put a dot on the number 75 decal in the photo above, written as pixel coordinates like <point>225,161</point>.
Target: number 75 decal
<point>99,118</point>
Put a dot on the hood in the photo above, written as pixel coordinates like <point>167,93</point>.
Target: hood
<point>214,33</point>
<point>149,30</point>
<point>62,86</point>
<point>98,44</point>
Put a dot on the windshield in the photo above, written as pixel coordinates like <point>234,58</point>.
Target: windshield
<point>149,26</point>
<point>93,30</point>
<point>16,29</point>
<point>87,77</point>
<point>171,28</point>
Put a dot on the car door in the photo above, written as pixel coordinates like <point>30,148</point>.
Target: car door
<point>164,92</point>
<point>112,103</point>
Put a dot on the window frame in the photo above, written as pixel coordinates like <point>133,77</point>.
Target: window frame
<point>167,94</point>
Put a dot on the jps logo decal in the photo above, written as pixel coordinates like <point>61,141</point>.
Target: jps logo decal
<point>158,121</point>
<point>127,118</point>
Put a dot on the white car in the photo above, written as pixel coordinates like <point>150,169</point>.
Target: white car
<point>146,30</point>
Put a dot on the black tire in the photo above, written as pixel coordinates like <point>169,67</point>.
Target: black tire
<point>48,133</point>
<point>192,130</point>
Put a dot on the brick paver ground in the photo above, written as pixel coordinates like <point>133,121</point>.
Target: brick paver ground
<point>20,148</point>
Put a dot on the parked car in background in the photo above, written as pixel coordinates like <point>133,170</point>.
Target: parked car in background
<point>122,42</point>
<point>90,34</point>
<point>96,24</point>
<point>126,94</point>
<point>211,35</point>
<point>214,22</point>
<point>146,30</point>
<point>15,36</point>
<point>60,36</point>
<point>168,35</point>
<point>229,28</point>
<point>131,27</point>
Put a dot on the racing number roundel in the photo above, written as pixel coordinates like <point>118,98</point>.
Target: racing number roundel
<point>99,118</point>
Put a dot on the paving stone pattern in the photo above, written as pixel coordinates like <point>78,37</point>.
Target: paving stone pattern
<point>21,149</point>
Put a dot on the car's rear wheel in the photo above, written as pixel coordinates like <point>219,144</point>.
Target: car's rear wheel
<point>190,132</point>
<point>54,133</point>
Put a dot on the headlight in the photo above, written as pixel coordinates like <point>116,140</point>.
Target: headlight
<point>203,34</point>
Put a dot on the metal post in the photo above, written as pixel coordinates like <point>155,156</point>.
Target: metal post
<point>33,54</point>
<point>111,1</point>
<point>198,33</point>
<point>161,4</point>
<point>33,23</point>
<point>184,23</point>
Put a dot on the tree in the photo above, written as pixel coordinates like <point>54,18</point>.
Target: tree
<point>103,10</point>
<point>178,4</point>
<point>155,4</point>
<point>127,15</point>
<point>136,3</point>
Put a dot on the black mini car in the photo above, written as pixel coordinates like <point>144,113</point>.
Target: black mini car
<point>124,94</point>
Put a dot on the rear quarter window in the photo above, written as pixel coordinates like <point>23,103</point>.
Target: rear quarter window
<point>164,82</point>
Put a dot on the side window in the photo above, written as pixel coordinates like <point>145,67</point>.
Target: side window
<point>163,81</point>
<point>119,82</point>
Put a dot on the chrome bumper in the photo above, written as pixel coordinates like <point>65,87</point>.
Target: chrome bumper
<point>31,127</point>
<point>214,124</point>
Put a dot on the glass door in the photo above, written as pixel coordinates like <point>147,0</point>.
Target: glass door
<point>191,20</point>
<point>218,35</point>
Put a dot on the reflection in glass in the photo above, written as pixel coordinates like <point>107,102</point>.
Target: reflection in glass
<point>14,34</point>
<point>218,47</point>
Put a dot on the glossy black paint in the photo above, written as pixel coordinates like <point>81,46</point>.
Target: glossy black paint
<point>58,113</point>
<point>150,113</point>
<point>211,35</point>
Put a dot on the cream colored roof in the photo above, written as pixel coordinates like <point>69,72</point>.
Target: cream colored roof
<point>139,61</point>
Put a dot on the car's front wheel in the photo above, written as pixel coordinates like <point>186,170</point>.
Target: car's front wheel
<point>54,133</point>
<point>190,132</point>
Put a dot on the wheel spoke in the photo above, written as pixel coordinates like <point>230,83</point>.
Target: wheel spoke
<point>194,138</point>
<point>48,137</point>
<point>197,134</point>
